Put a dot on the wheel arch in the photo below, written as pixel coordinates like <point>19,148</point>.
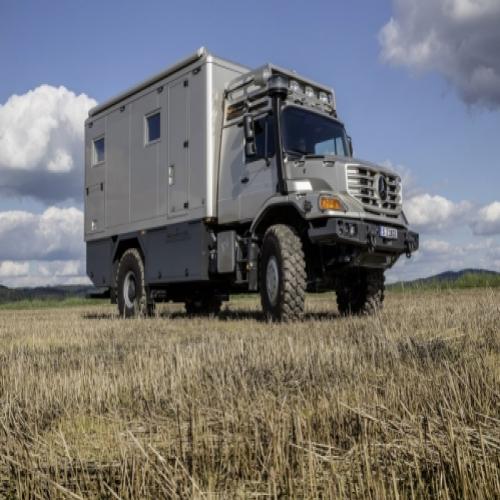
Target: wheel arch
<point>122,244</point>
<point>279,213</point>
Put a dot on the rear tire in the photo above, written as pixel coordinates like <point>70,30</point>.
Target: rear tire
<point>205,305</point>
<point>282,274</point>
<point>131,291</point>
<point>360,291</point>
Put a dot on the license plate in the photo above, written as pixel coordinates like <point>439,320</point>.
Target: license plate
<point>388,232</point>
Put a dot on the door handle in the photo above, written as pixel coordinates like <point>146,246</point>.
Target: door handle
<point>171,175</point>
<point>244,180</point>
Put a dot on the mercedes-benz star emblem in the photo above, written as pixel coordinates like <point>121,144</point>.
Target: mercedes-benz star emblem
<point>382,188</point>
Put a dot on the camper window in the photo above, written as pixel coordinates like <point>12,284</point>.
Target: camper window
<point>98,154</point>
<point>153,127</point>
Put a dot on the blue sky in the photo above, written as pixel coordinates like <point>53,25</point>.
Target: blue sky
<point>408,102</point>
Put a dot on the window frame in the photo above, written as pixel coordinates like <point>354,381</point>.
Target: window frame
<point>95,161</point>
<point>147,116</point>
<point>319,114</point>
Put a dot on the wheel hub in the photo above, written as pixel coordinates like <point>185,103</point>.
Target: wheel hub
<point>129,289</point>
<point>272,280</point>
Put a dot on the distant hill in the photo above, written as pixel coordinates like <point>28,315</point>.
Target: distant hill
<point>465,278</point>
<point>47,292</point>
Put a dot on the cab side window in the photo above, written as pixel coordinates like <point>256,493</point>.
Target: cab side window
<point>264,139</point>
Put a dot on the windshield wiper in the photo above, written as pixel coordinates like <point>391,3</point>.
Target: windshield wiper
<point>303,154</point>
<point>297,152</point>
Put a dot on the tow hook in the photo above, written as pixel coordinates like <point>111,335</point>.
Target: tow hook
<point>371,242</point>
<point>407,248</point>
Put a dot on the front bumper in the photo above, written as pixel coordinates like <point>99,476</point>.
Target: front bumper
<point>338,230</point>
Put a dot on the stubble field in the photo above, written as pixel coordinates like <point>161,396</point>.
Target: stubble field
<point>404,404</point>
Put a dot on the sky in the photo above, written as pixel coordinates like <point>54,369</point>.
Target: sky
<point>417,85</point>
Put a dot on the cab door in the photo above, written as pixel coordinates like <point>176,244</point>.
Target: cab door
<point>258,176</point>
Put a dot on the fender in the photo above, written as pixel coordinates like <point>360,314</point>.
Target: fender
<point>127,240</point>
<point>276,203</point>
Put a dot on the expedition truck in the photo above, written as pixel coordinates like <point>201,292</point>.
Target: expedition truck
<point>211,179</point>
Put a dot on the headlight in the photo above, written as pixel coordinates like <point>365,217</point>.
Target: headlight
<point>327,202</point>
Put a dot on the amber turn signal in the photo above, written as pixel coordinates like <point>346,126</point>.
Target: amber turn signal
<point>330,203</point>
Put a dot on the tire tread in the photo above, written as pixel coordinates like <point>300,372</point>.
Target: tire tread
<point>292,302</point>
<point>361,291</point>
<point>144,309</point>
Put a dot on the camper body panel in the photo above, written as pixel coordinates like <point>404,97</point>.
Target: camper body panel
<point>140,184</point>
<point>156,192</point>
<point>176,252</point>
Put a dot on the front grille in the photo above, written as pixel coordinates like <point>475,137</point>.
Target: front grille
<point>363,184</point>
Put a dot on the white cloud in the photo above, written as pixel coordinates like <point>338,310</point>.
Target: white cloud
<point>465,10</point>
<point>60,268</point>
<point>446,241</point>
<point>428,212</point>
<point>42,249</point>
<point>458,38</point>
<point>433,212</point>
<point>42,273</point>
<point>9,269</point>
<point>57,233</point>
<point>436,247</point>
<point>437,256</point>
<point>41,143</point>
<point>487,221</point>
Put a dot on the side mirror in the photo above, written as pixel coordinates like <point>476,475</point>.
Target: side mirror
<point>249,131</point>
<point>349,142</point>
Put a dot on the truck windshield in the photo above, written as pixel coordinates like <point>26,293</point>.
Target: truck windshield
<point>308,133</point>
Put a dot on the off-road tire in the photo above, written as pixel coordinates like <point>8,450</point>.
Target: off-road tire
<point>204,305</point>
<point>360,291</point>
<point>131,267</point>
<point>282,244</point>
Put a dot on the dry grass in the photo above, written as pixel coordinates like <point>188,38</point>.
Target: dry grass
<point>404,404</point>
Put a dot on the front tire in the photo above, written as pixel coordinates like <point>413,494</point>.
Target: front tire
<point>282,274</point>
<point>131,286</point>
<point>360,291</point>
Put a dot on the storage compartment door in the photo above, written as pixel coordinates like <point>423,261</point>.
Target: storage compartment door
<point>178,148</point>
<point>94,209</point>
<point>177,253</point>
